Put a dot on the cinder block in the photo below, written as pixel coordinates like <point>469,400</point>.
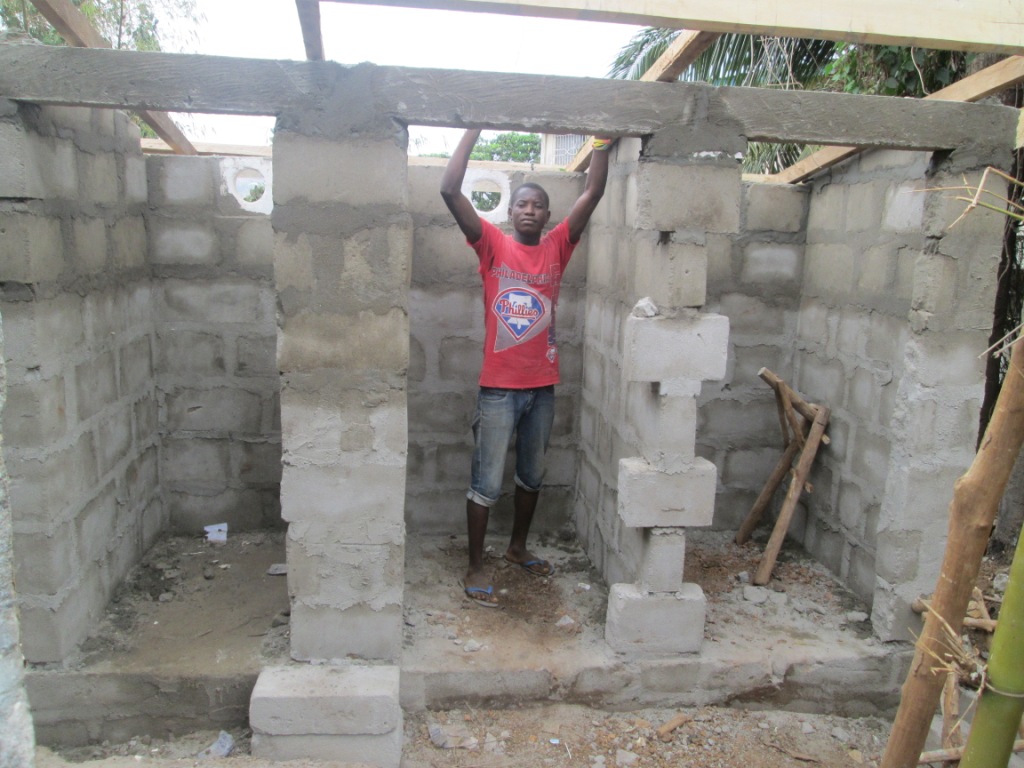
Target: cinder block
<point>136,188</point>
<point>826,211</point>
<point>32,247</point>
<point>904,208</point>
<point>321,633</point>
<point>20,175</point>
<point>690,346</point>
<point>775,207</point>
<point>665,427</point>
<point>90,244</point>
<point>220,301</point>
<point>99,177</point>
<point>95,385</point>
<point>362,173</point>
<point>192,353</point>
<point>217,409</point>
<point>649,497</point>
<point>672,274</point>
<point>326,700</point>
<point>35,414</point>
<point>256,243</point>
<point>256,356</point>
<point>187,180</point>
<point>113,438</point>
<point>128,242</point>
<point>180,243</point>
<point>688,197</point>
<point>364,342</point>
<point>325,569</point>
<point>662,559</point>
<point>638,621</point>
<point>772,263</point>
<point>43,563</point>
<point>136,366</point>
<point>829,269</point>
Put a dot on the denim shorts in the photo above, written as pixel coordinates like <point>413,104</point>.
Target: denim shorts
<point>500,414</point>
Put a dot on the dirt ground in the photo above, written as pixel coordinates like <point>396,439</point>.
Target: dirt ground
<point>229,606</point>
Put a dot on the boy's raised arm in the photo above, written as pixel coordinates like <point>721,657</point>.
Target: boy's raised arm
<point>451,187</point>
<point>593,191</point>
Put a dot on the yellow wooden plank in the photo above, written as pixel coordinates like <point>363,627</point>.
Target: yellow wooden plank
<point>74,27</point>
<point>1000,76</point>
<point>1020,132</point>
<point>161,147</point>
<point>979,25</point>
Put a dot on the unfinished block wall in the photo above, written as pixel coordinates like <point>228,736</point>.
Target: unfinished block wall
<point>894,320</point>
<point>211,253</point>
<point>647,350</point>
<point>80,422</point>
<point>446,349</point>
<point>754,279</point>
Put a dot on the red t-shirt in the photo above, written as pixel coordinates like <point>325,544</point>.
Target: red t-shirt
<point>520,292</point>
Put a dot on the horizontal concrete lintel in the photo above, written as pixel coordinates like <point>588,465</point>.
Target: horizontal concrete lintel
<point>432,97</point>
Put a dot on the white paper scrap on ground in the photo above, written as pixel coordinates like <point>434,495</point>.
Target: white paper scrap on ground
<point>217,533</point>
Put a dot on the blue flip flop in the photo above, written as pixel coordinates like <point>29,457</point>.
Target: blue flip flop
<point>479,596</point>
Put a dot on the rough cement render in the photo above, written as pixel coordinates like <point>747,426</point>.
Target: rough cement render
<point>342,258</point>
<point>18,743</point>
<point>81,415</point>
<point>895,311</point>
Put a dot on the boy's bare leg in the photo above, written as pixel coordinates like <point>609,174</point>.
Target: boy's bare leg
<point>525,504</point>
<point>476,525</point>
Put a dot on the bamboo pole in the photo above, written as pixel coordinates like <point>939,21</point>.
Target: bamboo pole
<point>1001,702</point>
<point>972,511</point>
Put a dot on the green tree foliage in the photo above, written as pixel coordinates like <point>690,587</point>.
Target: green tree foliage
<point>508,147</point>
<point>772,62</point>
<point>125,24</point>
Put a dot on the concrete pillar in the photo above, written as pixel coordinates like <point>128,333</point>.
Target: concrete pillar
<point>18,743</point>
<point>681,193</point>
<point>342,258</point>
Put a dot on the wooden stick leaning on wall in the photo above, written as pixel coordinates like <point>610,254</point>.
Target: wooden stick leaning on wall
<point>805,441</point>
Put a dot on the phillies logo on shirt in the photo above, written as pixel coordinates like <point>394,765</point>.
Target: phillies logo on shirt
<point>519,310</point>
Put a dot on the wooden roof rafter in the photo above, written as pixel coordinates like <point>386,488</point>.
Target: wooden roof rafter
<point>309,21</point>
<point>74,27</point>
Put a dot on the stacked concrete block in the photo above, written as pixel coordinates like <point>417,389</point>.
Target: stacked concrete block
<point>446,324</point>
<point>80,419</point>
<point>343,246</point>
<point>666,219</point>
<point>212,255</point>
<point>17,747</point>
<point>893,319</point>
<point>344,713</point>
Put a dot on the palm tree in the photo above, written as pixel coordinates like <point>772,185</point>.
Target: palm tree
<point>777,62</point>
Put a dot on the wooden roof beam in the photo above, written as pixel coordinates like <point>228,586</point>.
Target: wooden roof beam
<point>309,21</point>
<point>685,49</point>
<point>1000,76</point>
<point>980,25</point>
<point>74,27</point>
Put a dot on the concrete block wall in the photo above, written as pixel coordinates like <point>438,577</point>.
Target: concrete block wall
<point>342,256</point>
<point>895,312</point>
<point>80,421</point>
<point>754,279</point>
<point>643,369</point>
<point>18,745</point>
<point>211,252</point>
<point>446,349</point>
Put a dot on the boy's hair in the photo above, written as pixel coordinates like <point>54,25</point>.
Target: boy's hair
<point>530,185</point>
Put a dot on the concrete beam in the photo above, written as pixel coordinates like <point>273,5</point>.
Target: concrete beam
<point>223,85</point>
<point>981,25</point>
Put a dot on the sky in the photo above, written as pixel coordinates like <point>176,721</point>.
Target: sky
<point>399,37</point>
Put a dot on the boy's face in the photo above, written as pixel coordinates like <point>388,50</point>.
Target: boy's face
<point>529,212</point>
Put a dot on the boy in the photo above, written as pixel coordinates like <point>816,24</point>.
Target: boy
<point>521,276</point>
